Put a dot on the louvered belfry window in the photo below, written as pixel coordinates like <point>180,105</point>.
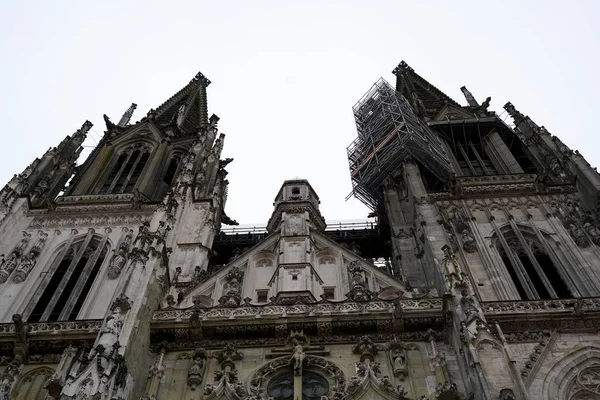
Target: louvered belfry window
<point>126,170</point>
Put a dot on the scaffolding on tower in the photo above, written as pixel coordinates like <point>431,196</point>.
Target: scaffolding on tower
<point>389,132</point>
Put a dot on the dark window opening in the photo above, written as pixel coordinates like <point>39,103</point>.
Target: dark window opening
<point>547,266</point>
<point>171,170</point>
<point>517,148</point>
<point>113,174</point>
<point>125,173</point>
<point>136,173</point>
<point>52,287</point>
<point>295,190</point>
<point>431,182</point>
<point>328,293</point>
<point>294,277</point>
<point>513,276</point>
<point>262,296</point>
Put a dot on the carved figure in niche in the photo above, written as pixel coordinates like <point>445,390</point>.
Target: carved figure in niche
<point>18,250</point>
<point>196,371</point>
<point>366,346</point>
<point>195,326</point>
<point>593,231</point>
<point>469,244</point>
<point>116,264</point>
<point>24,268</point>
<point>112,329</point>
<point>297,357</point>
<point>357,274</point>
<point>507,394</point>
<point>578,235</point>
<point>20,329</point>
<point>126,241</point>
<point>468,304</point>
<point>398,356</point>
<point>233,286</point>
<point>8,267</point>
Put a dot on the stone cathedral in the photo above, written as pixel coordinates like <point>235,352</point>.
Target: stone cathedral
<point>476,276</point>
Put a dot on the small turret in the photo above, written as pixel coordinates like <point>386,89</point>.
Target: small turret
<point>296,197</point>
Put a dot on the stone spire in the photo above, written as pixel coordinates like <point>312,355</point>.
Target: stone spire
<point>127,115</point>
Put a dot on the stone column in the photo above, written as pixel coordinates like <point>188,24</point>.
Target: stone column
<point>500,155</point>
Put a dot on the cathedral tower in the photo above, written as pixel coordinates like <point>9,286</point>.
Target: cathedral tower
<point>477,275</point>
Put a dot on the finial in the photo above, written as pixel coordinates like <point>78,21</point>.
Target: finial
<point>403,66</point>
<point>469,96</point>
<point>82,132</point>
<point>127,115</point>
<point>514,113</point>
<point>214,119</point>
<point>203,80</point>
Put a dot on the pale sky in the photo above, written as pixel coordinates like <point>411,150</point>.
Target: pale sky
<point>285,75</point>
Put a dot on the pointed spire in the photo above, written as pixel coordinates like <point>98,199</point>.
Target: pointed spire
<point>127,115</point>
<point>82,132</point>
<point>469,96</point>
<point>402,67</point>
<point>202,104</point>
<point>516,115</point>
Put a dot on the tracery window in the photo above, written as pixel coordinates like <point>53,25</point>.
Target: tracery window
<point>64,294</point>
<point>127,170</point>
<point>586,384</point>
<point>281,387</point>
<point>532,270</point>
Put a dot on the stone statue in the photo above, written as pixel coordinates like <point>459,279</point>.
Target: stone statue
<point>116,264</point>
<point>114,323</point>
<point>196,370</point>
<point>24,268</point>
<point>399,363</point>
<point>8,267</point>
<point>297,357</point>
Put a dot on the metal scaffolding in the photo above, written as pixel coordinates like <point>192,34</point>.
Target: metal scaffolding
<point>389,132</point>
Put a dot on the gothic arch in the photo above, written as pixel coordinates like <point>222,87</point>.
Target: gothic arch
<point>536,270</point>
<point>562,383</point>
<point>260,377</point>
<point>326,256</point>
<point>127,163</point>
<point>30,385</point>
<point>73,266</point>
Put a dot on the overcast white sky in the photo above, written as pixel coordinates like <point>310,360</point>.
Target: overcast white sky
<point>286,74</point>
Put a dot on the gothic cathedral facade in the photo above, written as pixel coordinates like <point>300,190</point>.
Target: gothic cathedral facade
<point>477,275</point>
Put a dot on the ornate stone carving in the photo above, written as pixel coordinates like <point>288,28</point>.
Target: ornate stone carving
<point>116,264</point>
<point>297,357</point>
<point>227,383</point>
<point>586,384</point>
<point>398,358</point>
<point>446,391</point>
<point>196,371</point>
<point>359,290</point>
<point>232,288</point>
<point>507,394</point>
<point>326,308</point>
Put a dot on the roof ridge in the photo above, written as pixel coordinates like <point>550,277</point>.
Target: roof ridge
<point>403,66</point>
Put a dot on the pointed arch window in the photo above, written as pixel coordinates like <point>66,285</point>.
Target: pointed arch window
<point>127,170</point>
<point>76,268</point>
<point>533,272</point>
<point>172,169</point>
